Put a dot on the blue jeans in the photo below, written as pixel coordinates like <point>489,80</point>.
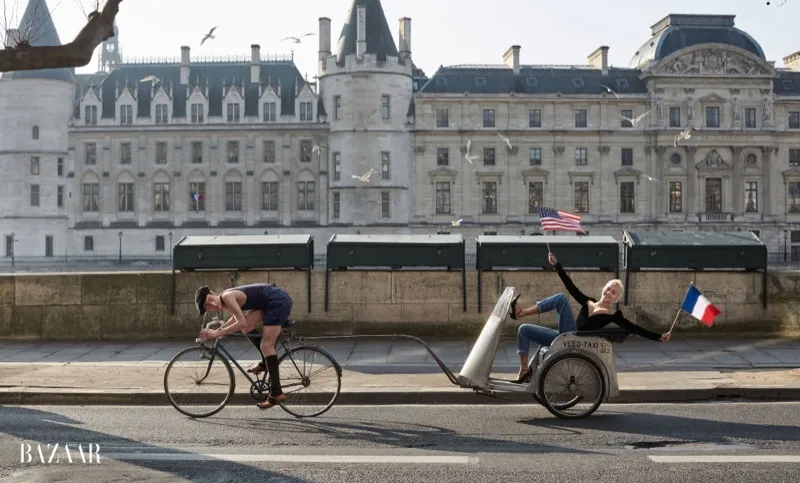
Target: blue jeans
<point>545,336</point>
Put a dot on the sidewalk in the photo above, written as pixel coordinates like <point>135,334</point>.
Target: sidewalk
<point>386,371</point>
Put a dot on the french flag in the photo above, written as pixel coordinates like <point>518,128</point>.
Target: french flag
<point>699,307</point>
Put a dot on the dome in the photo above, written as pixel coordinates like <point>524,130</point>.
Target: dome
<point>676,32</point>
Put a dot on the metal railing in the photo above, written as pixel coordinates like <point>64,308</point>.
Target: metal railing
<point>785,257</point>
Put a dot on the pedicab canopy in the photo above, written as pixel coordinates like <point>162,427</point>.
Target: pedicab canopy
<point>591,252</point>
<point>396,252</point>
<point>244,252</point>
<point>728,251</point>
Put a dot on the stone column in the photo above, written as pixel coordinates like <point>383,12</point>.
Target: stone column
<point>660,188</point>
<point>766,171</point>
<point>736,181</point>
<point>558,152</point>
<point>604,150</point>
<point>692,182</point>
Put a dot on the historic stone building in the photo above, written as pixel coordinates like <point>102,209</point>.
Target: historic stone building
<point>133,158</point>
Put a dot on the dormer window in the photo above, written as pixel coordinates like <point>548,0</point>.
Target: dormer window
<point>126,115</point>
<point>788,84</point>
<point>198,113</point>
<point>90,115</point>
<point>233,112</point>
<point>270,112</point>
<point>532,82</point>
<point>577,81</point>
<point>622,84</point>
<point>480,81</point>
<point>162,114</point>
<point>306,112</point>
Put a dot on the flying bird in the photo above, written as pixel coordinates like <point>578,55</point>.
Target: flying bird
<point>650,178</point>
<point>609,90</point>
<point>209,35</point>
<point>317,149</point>
<point>684,135</point>
<point>298,39</point>
<point>471,157</point>
<point>364,177</point>
<point>506,140</point>
<point>149,78</point>
<point>456,222</point>
<point>636,121</point>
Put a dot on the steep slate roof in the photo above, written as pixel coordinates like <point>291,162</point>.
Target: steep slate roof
<point>675,32</point>
<point>37,27</point>
<point>216,75</point>
<point>379,37</point>
<point>500,79</point>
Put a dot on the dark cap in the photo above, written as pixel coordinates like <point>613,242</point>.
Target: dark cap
<point>200,298</point>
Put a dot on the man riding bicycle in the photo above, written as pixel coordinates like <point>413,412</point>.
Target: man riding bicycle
<point>249,304</point>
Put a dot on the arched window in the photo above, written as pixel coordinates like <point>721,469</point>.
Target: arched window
<point>35,132</point>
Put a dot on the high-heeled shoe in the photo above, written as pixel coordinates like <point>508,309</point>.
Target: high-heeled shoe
<point>525,377</point>
<point>512,311</point>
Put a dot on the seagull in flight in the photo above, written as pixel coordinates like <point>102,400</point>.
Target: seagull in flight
<point>471,157</point>
<point>149,78</point>
<point>209,35</point>
<point>609,90</point>
<point>297,40</point>
<point>364,177</point>
<point>317,149</point>
<point>636,121</point>
<point>456,222</point>
<point>506,140</point>
<point>650,178</point>
<point>686,134</point>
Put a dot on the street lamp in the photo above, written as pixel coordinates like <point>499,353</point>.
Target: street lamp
<point>120,247</point>
<point>170,245</point>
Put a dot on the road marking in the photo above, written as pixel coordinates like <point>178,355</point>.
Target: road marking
<point>288,458</point>
<point>767,458</point>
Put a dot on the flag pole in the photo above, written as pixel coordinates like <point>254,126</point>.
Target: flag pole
<point>675,321</point>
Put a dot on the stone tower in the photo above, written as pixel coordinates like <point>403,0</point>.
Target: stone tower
<point>110,55</point>
<point>366,88</point>
<point>35,109</point>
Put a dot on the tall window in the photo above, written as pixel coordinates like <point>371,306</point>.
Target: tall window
<point>442,118</point>
<point>35,165</point>
<point>624,118</point>
<point>488,157</point>
<point>198,113</point>
<point>126,115</point>
<point>60,196</point>
<point>197,196</point>
<point>337,166</point>
<point>34,195</point>
<point>270,112</point>
<point>626,157</point>
<point>305,151</point>
<point>306,113</point>
<point>674,117</point>
<point>90,153</point>
<point>125,202</point>
<point>125,153</point>
<point>386,167</point>
<point>91,197</point>
<point>713,195</point>
<point>269,151</point>
<point>161,196</point>
<point>233,196</point>
<point>627,197</point>
<point>535,196</point>
<point>581,157</point>
<point>535,157</point>
<point>90,115</point>
<point>442,157</point>
<point>675,197</point>
<point>337,107</point>
<point>489,197</point>
<point>161,152</point>
<point>535,118</point>
<point>234,112</point>
<point>581,197</point>
<point>233,151</point>
<point>442,197</point>
<point>269,196</point>
<point>580,118</point>
<point>751,197</point>
<point>336,200</point>
<point>386,107</point>
<point>386,205</point>
<point>35,133</point>
<point>305,195</point>
<point>197,152</point>
<point>488,118</point>
<point>712,116</point>
<point>793,197</point>
<point>162,114</point>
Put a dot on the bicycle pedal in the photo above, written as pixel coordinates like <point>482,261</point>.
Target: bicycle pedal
<point>481,392</point>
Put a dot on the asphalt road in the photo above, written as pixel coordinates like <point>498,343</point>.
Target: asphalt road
<point>731,442</point>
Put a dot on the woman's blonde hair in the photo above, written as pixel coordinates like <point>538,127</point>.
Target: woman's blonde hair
<point>618,284</point>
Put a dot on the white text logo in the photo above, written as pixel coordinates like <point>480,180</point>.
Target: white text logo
<point>55,453</point>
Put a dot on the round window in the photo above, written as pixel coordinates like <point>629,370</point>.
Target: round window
<point>675,158</point>
<point>750,159</point>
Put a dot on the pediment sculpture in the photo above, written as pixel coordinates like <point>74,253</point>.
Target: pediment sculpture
<point>713,62</point>
<point>713,160</point>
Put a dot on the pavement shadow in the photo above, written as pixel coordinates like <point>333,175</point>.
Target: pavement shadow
<point>672,427</point>
<point>61,429</point>
<point>394,433</point>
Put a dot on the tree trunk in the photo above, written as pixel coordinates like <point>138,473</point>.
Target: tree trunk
<point>77,53</point>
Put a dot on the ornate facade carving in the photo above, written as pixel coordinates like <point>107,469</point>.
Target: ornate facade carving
<point>627,171</point>
<point>712,61</point>
<point>419,149</point>
<point>604,149</point>
<point>535,173</point>
<point>766,107</point>
<point>737,109</point>
<point>713,160</point>
<point>558,150</point>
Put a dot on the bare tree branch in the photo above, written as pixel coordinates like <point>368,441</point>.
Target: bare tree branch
<point>77,53</point>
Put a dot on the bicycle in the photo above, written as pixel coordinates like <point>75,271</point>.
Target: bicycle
<point>292,376</point>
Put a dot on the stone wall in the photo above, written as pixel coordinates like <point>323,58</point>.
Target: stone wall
<point>91,306</point>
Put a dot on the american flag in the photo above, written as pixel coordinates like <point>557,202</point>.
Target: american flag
<point>557,220</point>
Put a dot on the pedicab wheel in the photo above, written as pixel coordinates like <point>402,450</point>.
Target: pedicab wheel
<point>571,381</point>
<point>199,382</point>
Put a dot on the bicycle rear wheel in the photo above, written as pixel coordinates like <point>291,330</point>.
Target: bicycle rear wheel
<point>311,380</point>
<point>199,382</point>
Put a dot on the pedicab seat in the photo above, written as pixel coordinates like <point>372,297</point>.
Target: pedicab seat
<point>611,335</point>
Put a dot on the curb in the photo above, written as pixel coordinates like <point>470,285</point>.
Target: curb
<point>464,396</point>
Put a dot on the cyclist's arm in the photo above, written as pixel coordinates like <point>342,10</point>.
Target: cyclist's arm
<point>229,299</point>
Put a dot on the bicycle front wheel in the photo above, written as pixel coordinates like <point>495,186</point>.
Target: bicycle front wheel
<point>199,382</point>
<point>311,380</point>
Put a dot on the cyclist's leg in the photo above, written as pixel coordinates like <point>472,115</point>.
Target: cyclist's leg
<point>274,317</point>
<point>252,318</point>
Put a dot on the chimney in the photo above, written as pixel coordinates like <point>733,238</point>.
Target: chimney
<point>405,38</point>
<point>599,59</point>
<point>361,31</point>
<point>324,36</point>
<point>792,61</point>
<point>255,63</point>
<point>511,58</point>
<point>185,51</point>
<point>12,38</point>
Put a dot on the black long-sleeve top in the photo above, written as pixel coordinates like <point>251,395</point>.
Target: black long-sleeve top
<point>598,321</point>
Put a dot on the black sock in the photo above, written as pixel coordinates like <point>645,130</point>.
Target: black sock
<point>256,341</point>
<point>274,378</point>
